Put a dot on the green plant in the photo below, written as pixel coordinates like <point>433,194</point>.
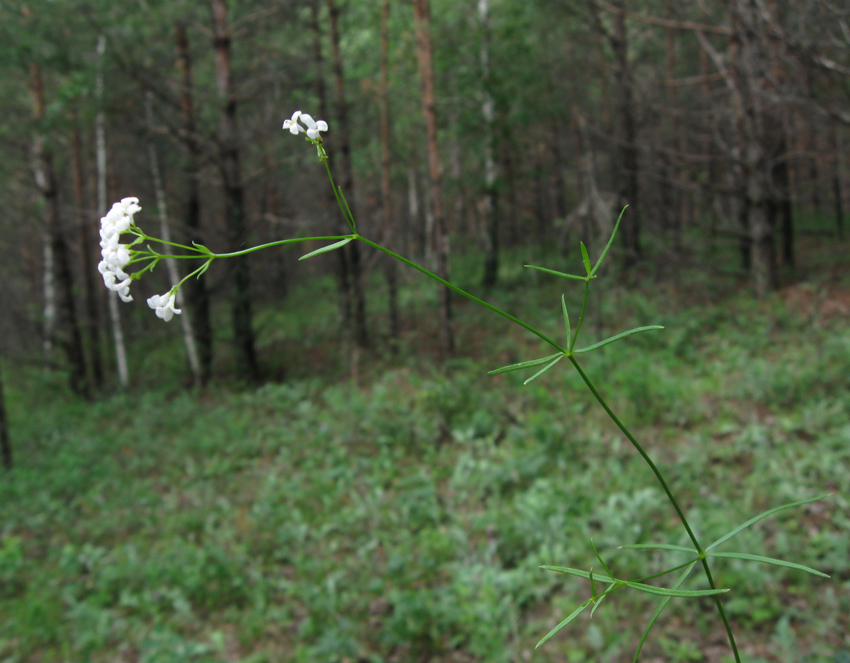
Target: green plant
<point>419,618</point>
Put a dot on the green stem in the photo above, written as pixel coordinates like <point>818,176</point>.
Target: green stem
<point>581,315</point>
<point>667,491</point>
<point>464,293</point>
<point>278,243</point>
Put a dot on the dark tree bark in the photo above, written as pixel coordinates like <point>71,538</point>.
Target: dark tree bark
<point>422,19</point>
<point>747,66</point>
<point>197,295</point>
<point>237,232</point>
<point>87,242</point>
<point>626,159</point>
<point>5,442</point>
<point>836,180</point>
<point>342,137</point>
<point>343,270</point>
<point>781,195</point>
<point>390,269</point>
<point>45,179</point>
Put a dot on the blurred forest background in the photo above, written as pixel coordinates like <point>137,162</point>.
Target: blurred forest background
<point>718,124</point>
<point>474,137</point>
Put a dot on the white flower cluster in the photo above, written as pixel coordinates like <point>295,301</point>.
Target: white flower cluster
<point>312,126</point>
<point>116,255</point>
<point>164,305</point>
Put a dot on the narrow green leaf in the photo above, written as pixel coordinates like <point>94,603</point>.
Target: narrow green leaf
<point>578,572</point>
<point>657,546</point>
<point>598,601</point>
<point>572,616</point>
<point>592,585</point>
<point>567,321</point>
<point>524,364</point>
<point>552,271</point>
<point>585,257</point>
<point>659,610</point>
<point>601,561</point>
<point>202,249</point>
<point>631,332</point>
<point>610,242</point>
<point>769,560</point>
<point>769,512</point>
<point>680,593</point>
<point>325,249</point>
<point>543,370</point>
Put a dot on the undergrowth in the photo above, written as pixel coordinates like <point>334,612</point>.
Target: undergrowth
<point>401,512</point>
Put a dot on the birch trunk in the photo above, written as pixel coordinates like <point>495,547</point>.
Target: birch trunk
<point>48,311</point>
<point>45,179</point>
<point>488,113</point>
<point>237,232</point>
<point>422,19</point>
<point>196,289</point>
<point>165,234</point>
<point>100,158</point>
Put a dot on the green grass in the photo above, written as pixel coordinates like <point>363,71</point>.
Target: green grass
<point>400,513</point>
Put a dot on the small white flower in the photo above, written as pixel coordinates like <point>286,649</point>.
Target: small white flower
<point>164,305</point>
<point>313,127</point>
<point>292,124</point>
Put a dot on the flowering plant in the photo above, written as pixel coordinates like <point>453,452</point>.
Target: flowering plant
<point>117,256</point>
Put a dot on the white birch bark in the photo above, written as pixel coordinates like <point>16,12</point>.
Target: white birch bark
<point>488,113</point>
<point>49,290</point>
<point>165,234</point>
<point>100,149</point>
<point>49,311</point>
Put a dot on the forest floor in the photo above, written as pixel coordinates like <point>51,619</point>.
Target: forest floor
<point>377,507</point>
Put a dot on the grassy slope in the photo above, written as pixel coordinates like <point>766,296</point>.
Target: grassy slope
<point>403,517</point>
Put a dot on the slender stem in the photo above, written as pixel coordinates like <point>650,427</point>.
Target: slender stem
<point>340,199</point>
<point>464,293</point>
<point>278,243</point>
<point>581,315</point>
<point>667,491</point>
<point>142,237</point>
<point>203,268</point>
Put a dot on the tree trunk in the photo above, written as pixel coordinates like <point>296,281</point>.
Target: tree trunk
<point>48,310</point>
<point>165,234</point>
<point>627,151</point>
<point>45,179</point>
<point>422,20</point>
<point>836,181</point>
<point>488,112</point>
<point>5,442</point>
<point>782,193</point>
<point>100,148</point>
<point>746,73</point>
<point>390,268</point>
<point>237,232</point>
<point>352,249</point>
<point>343,270</point>
<point>87,241</point>
<point>197,295</point>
